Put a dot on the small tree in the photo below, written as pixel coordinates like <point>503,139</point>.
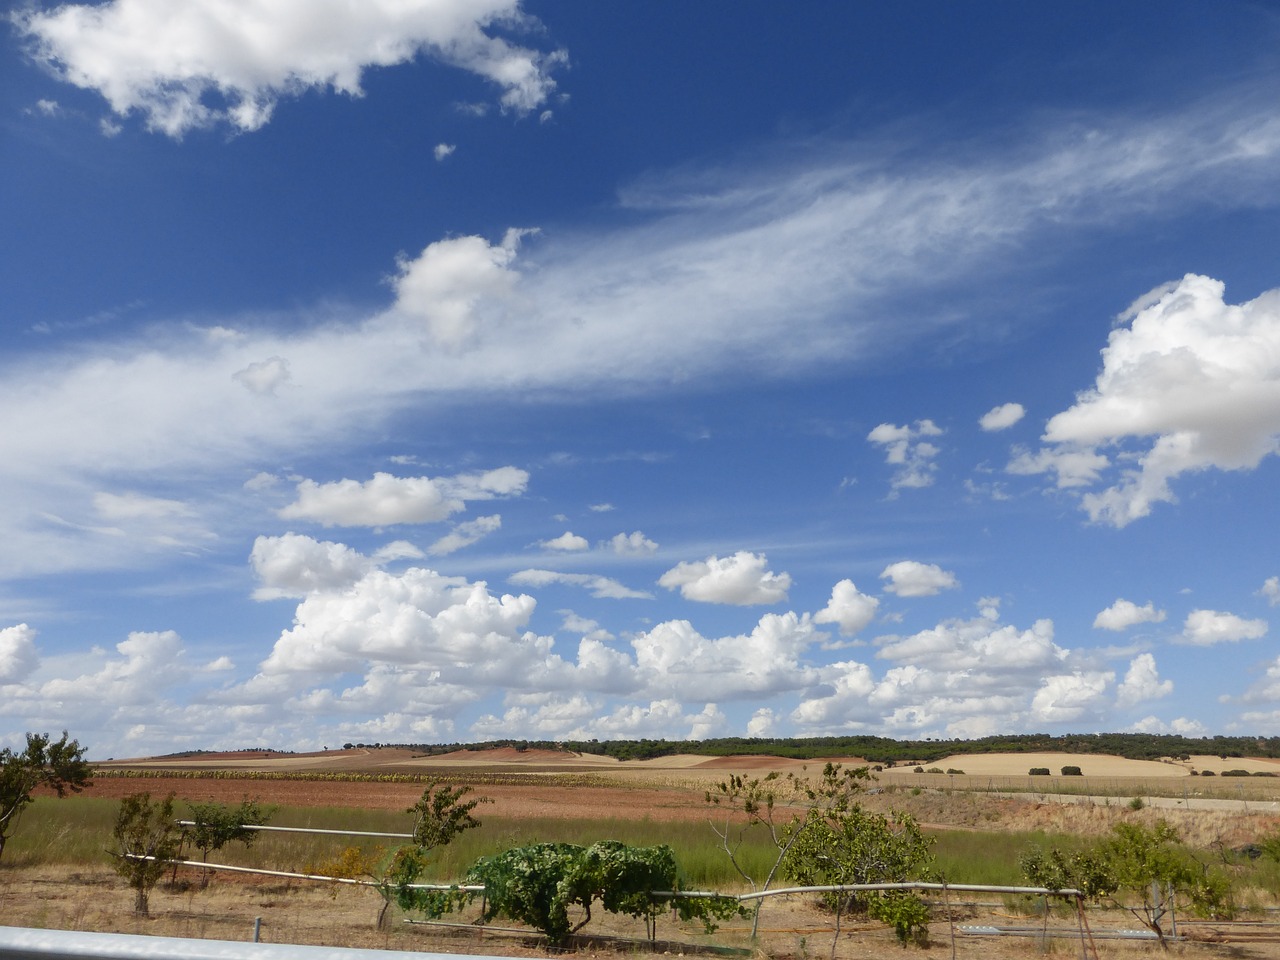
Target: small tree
<point>146,839</point>
<point>58,765</point>
<point>783,807</point>
<point>850,845</point>
<point>214,825</point>
<point>440,815</point>
<point>1148,862</point>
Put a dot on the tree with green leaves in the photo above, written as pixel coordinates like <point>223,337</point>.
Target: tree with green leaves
<point>845,844</point>
<point>147,838</point>
<point>1148,862</point>
<point>213,825</point>
<point>784,808</point>
<point>440,815</point>
<point>58,765</point>
<point>540,883</point>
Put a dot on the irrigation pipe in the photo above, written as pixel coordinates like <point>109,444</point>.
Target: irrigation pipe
<point>345,833</point>
<point>306,876</point>
<point>908,885</point>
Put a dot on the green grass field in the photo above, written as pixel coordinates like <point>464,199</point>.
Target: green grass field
<point>77,830</point>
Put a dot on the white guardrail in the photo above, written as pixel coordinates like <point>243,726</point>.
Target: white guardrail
<point>20,943</point>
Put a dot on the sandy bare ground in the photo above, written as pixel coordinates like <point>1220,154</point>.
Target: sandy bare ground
<point>1090,764</point>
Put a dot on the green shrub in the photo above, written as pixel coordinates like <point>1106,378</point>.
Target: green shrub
<point>1072,771</point>
<point>537,885</point>
<point>146,838</point>
<point>1039,771</point>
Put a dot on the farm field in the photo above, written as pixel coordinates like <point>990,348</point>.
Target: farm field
<point>981,819</point>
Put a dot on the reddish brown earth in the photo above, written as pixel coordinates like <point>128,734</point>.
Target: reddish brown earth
<point>510,800</point>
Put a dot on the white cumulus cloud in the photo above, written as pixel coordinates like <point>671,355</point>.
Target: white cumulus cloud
<point>455,285</point>
<point>910,578</point>
<point>906,449</point>
<point>388,499</point>
<point>1069,698</point>
<point>18,657</point>
<point>1142,682</point>
<point>1189,383</point>
<point>567,541</point>
<point>848,608</point>
<point>674,658</point>
<point>293,565</point>
<point>199,63</point>
<point>741,579</point>
<point>1125,613</point>
<point>634,544</point>
<point>1271,590</point>
<point>1204,628</point>
<point>1002,417</point>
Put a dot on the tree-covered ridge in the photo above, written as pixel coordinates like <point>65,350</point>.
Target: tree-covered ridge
<point>1133,746</point>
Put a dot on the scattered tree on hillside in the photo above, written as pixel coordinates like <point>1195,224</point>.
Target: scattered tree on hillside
<point>56,764</point>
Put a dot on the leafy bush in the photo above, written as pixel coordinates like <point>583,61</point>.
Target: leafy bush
<point>214,825</point>
<point>1039,772</point>
<point>1148,861</point>
<point>1235,773</point>
<point>440,815</point>
<point>850,845</point>
<point>954,770</point>
<point>146,838</point>
<point>757,802</point>
<point>1072,771</point>
<point>539,883</point>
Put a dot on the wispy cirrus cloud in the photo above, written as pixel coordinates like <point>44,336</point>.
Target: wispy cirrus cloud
<point>682,294</point>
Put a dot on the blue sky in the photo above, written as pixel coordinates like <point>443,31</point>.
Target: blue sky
<point>462,369</point>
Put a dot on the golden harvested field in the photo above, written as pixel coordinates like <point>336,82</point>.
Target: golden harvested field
<point>533,784</point>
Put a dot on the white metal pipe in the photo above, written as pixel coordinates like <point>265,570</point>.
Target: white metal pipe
<point>308,876</point>
<point>910,885</point>
<point>344,833</point>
